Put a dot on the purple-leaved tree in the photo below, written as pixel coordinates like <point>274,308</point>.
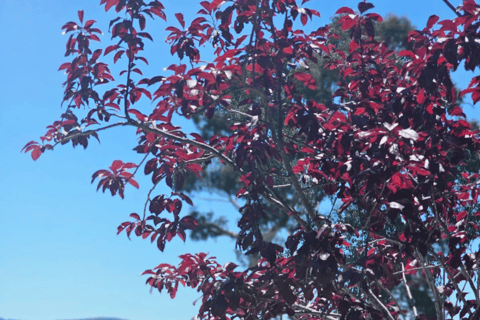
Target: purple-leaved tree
<point>392,147</point>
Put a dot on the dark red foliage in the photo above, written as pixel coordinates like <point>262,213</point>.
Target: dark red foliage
<point>391,146</point>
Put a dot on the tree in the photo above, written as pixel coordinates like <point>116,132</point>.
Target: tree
<point>223,181</point>
<point>392,146</point>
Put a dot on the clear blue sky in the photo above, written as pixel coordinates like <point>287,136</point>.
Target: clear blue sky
<point>60,257</point>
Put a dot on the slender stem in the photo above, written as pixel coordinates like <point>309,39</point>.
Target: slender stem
<point>317,312</point>
<point>414,269</point>
<point>201,145</point>
<point>89,132</point>
<point>431,284</point>
<point>452,7</point>
<point>221,231</point>
<point>439,259</point>
<point>393,298</point>
<point>409,294</point>
<point>148,198</point>
<point>381,304</point>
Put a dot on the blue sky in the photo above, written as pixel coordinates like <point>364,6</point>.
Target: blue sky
<point>60,257</point>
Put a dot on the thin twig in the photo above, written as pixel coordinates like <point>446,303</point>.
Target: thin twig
<point>409,293</point>
<point>452,7</point>
<point>221,231</point>
<point>431,284</point>
<point>89,132</point>
<point>381,304</point>
<point>439,259</point>
<point>317,312</point>
<point>198,144</point>
<point>392,297</point>
<point>413,269</point>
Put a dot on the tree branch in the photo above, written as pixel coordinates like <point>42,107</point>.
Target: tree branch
<point>431,284</point>
<point>201,145</point>
<point>452,7</point>
<point>88,132</point>
<point>219,230</point>
<point>330,316</point>
<point>407,288</point>
<point>381,304</point>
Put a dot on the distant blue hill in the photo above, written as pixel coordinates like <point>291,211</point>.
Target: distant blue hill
<point>95,318</point>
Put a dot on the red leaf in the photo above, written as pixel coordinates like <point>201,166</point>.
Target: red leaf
<point>181,234</point>
<point>134,183</point>
<point>65,65</point>
<point>304,18</point>
<point>117,164</point>
<point>111,48</point>
<point>397,179</point>
<point>148,272</point>
<point>461,215</point>
<point>307,80</point>
<point>140,116</point>
<point>407,53</point>
<point>110,3</point>
<point>346,10</point>
<point>364,6</point>
<point>432,20</point>
<point>143,59</point>
<point>94,37</point>
<point>375,16</point>
<point>80,16</point>
<point>195,167</point>
<point>457,111</point>
<point>353,46</point>
<point>89,23</point>
<point>118,55</point>
<point>348,23</point>
<point>141,21</point>
<point>197,137</point>
<point>129,165</point>
<point>36,153</point>
<point>179,17</point>
<point>95,55</point>
<point>135,216</point>
<point>186,198</point>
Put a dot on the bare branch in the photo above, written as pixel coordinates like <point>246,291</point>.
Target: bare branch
<point>88,132</point>
<point>381,304</point>
<point>233,202</point>
<point>305,309</point>
<point>452,7</point>
<point>439,259</point>
<point>413,269</point>
<point>215,228</point>
<point>409,294</point>
<point>172,136</point>
<point>431,284</point>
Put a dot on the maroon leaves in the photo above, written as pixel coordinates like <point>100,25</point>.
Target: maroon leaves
<point>431,21</point>
<point>80,16</point>
<point>391,145</point>
<point>364,6</point>
<point>347,22</point>
<point>115,179</point>
<point>110,49</point>
<point>35,148</point>
<point>179,17</point>
<point>307,80</point>
<point>345,10</point>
